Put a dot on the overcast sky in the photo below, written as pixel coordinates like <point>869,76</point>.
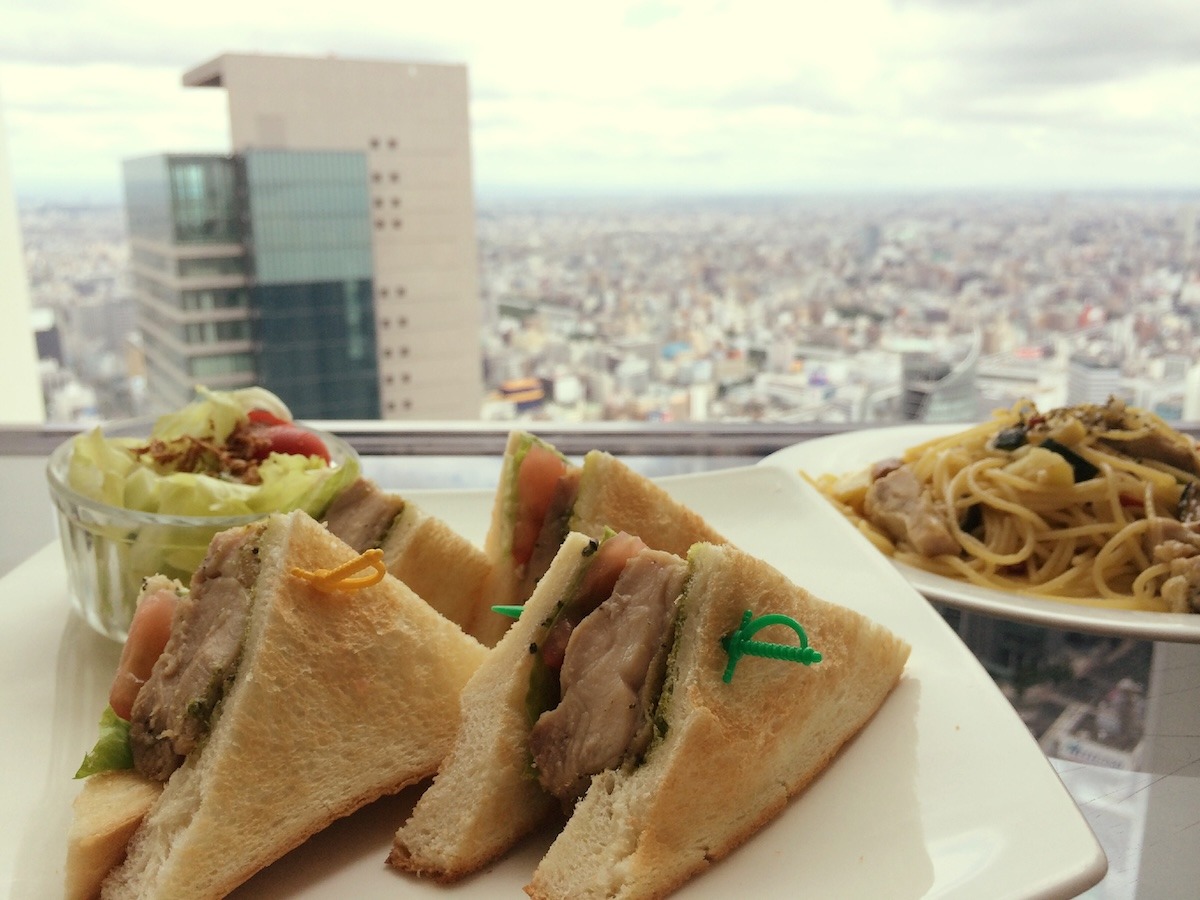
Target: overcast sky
<point>694,96</point>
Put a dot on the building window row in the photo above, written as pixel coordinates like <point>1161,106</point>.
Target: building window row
<point>222,265</point>
<point>193,300</point>
<point>162,357</point>
<point>230,298</point>
<point>204,205</point>
<point>222,364</point>
<point>155,315</point>
<point>377,142</point>
<point>400,322</point>
<point>378,177</point>
<point>383,291</point>
<point>216,332</point>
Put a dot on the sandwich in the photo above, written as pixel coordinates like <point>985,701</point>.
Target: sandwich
<point>542,496</point>
<point>622,698</point>
<point>441,566</point>
<point>291,690</point>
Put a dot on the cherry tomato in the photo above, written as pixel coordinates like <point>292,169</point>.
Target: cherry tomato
<point>283,436</point>
<point>262,417</point>
<point>536,482</point>
<point>294,439</point>
<point>148,634</point>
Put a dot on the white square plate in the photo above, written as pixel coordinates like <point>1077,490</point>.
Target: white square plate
<point>943,794</point>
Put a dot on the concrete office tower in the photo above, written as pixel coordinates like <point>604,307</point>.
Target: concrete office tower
<point>331,257</point>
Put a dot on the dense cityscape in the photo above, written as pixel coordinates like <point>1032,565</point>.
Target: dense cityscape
<point>736,309</point>
<point>800,309</point>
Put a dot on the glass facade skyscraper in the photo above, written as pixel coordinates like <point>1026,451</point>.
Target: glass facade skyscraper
<point>330,257</point>
<point>256,269</point>
<point>309,225</point>
<point>190,274</point>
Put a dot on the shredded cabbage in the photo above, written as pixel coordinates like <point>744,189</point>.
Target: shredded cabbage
<point>107,470</point>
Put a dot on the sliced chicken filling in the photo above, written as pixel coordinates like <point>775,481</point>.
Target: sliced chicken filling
<point>612,673</point>
<point>362,515</point>
<point>172,710</point>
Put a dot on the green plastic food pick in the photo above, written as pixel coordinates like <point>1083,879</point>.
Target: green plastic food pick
<point>738,643</point>
<point>513,612</point>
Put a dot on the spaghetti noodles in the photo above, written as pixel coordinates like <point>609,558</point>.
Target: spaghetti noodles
<point>1086,504</point>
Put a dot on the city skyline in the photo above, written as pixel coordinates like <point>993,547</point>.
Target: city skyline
<point>650,97</point>
<point>759,310</point>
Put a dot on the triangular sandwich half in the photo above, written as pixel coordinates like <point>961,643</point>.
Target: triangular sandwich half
<point>614,706</point>
<point>291,692</point>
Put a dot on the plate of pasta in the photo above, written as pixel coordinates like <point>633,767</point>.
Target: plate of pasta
<point>1083,518</point>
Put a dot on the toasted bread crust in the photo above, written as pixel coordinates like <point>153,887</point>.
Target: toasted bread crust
<point>444,568</point>
<point>612,495</point>
<point>340,698</point>
<point>106,812</point>
<point>751,744</point>
<point>484,798</point>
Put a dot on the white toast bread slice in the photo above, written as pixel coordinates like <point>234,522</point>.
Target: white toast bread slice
<point>339,698</point>
<point>443,567</point>
<point>106,812</point>
<point>614,496</point>
<point>485,797</point>
<point>734,753</point>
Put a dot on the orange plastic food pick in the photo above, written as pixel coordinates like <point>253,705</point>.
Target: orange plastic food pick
<point>343,578</point>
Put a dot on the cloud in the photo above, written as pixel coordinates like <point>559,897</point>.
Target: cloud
<point>651,12</point>
<point>1029,46</point>
<point>704,93</point>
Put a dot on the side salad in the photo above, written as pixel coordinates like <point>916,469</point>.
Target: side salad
<point>230,453</point>
<point>139,506</point>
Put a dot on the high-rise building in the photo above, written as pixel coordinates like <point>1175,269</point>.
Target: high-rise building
<point>940,385</point>
<point>330,257</point>
<point>1093,377</point>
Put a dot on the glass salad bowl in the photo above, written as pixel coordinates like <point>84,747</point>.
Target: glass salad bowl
<point>109,549</point>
